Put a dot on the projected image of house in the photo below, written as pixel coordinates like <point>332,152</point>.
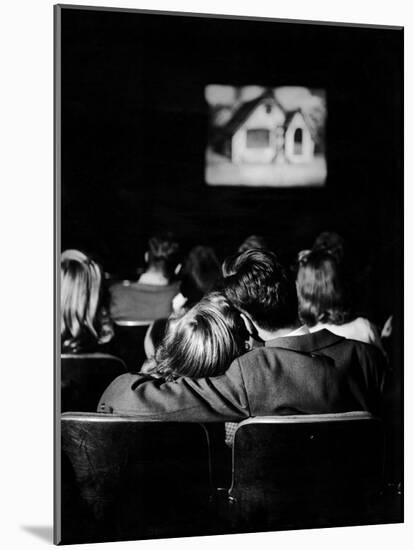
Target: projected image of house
<point>263,141</point>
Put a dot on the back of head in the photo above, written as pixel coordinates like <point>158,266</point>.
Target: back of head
<point>251,242</point>
<point>329,241</point>
<point>322,294</point>
<point>164,254</point>
<point>200,273</point>
<point>80,300</point>
<point>202,342</point>
<point>257,284</point>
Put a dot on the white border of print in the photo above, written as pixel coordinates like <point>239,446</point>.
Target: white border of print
<point>26,215</point>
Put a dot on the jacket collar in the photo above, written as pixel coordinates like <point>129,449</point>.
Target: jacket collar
<point>306,342</point>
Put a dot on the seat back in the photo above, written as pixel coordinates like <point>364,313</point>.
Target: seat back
<point>306,471</point>
<point>140,301</point>
<point>129,338</point>
<point>129,479</point>
<point>84,378</point>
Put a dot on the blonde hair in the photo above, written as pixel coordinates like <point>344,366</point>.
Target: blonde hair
<point>83,320</point>
<point>202,342</point>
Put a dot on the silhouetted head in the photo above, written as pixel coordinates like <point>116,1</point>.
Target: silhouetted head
<point>322,293</point>
<point>329,241</point>
<point>200,273</point>
<point>252,242</point>
<point>163,254</point>
<point>257,284</point>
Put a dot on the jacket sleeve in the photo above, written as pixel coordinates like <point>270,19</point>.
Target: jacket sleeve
<point>217,399</point>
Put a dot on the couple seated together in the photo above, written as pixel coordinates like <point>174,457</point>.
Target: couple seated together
<point>242,351</point>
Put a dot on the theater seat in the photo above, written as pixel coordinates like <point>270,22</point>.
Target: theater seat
<point>306,471</point>
<point>84,377</point>
<point>129,338</point>
<point>125,479</point>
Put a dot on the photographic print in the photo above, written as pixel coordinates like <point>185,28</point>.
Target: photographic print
<point>229,228</point>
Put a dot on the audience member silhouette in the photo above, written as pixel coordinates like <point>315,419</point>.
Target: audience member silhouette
<point>85,325</point>
<point>199,275</point>
<point>332,242</point>
<point>253,241</point>
<point>151,296</point>
<point>324,301</point>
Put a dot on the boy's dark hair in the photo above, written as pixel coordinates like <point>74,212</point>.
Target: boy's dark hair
<point>164,253</point>
<point>256,283</point>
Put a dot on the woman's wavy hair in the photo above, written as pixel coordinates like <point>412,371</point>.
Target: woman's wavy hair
<point>202,342</point>
<point>83,319</point>
<point>323,296</point>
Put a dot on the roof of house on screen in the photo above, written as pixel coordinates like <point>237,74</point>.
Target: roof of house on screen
<point>246,109</point>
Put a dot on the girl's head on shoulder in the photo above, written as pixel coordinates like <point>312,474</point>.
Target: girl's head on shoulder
<point>203,341</point>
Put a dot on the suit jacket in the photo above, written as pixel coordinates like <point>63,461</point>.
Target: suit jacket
<point>314,373</point>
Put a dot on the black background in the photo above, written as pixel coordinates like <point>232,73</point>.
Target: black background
<point>134,131</point>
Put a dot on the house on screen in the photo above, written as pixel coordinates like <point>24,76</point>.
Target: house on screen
<point>262,132</point>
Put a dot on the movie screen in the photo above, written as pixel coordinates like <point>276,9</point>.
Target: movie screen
<point>270,137</point>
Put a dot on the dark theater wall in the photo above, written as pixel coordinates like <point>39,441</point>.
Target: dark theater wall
<point>134,130</point>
